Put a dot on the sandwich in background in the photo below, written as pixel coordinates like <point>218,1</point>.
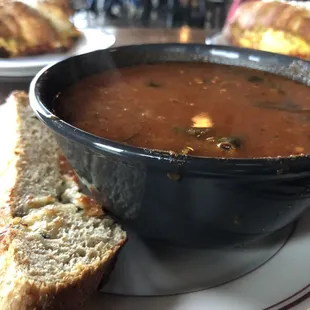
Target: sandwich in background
<point>272,26</point>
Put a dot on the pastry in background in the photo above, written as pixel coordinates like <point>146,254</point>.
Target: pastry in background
<point>233,8</point>
<point>271,26</point>
<point>29,27</point>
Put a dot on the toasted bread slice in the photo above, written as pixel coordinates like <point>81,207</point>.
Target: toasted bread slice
<point>29,32</point>
<point>59,18</point>
<point>56,243</point>
<point>32,27</point>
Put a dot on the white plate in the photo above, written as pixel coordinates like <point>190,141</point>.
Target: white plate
<point>92,39</point>
<point>281,283</point>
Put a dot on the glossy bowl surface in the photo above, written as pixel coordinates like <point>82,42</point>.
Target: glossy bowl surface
<point>184,200</point>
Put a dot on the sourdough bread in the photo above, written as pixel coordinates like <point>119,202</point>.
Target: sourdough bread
<point>56,243</point>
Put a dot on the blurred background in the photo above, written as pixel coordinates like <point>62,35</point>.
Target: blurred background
<point>203,14</point>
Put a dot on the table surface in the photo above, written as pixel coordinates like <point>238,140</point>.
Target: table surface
<point>124,36</point>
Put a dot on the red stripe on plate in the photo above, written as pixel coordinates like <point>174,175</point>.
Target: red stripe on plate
<point>292,303</point>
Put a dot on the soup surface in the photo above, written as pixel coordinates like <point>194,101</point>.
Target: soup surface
<point>197,109</point>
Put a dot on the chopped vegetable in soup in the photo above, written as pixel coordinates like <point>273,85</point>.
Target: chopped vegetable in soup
<point>194,109</point>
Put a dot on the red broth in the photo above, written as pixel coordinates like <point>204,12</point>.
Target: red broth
<point>197,109</point>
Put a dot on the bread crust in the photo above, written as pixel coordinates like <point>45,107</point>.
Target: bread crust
<point>27,296</point>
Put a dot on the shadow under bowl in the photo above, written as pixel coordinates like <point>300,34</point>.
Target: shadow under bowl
<point>183,200</point>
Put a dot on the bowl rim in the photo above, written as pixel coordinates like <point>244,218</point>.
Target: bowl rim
<point>193,163</point>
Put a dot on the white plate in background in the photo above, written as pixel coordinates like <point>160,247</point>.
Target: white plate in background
<point>91,39</point>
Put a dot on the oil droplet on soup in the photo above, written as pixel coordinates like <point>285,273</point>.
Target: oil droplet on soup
<point>193,109</point>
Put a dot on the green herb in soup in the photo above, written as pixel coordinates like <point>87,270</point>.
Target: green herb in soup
<point>193,109</point>
<point>153,84</point>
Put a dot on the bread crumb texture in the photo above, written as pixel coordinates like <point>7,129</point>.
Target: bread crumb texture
<point>55,242</point>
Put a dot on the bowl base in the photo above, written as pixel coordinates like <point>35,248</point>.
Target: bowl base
<point>145,268</point>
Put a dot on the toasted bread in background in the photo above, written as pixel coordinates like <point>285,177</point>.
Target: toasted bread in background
<point>272,26</point>
<point>31,27</point>
<point>56,243</point>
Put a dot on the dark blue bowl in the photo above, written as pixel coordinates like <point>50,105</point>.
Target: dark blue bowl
<point>184,200</point>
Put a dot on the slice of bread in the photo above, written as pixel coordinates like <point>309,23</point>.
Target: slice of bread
<point>56,243</point>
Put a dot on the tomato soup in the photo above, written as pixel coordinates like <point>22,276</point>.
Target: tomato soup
<point>193,108</point>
